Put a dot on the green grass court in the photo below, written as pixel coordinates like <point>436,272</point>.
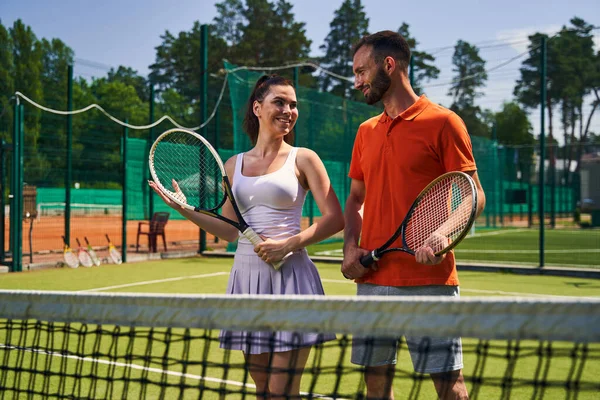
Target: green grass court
<point>209,275</point>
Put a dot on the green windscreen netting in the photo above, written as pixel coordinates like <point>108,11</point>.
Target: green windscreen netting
<point>328,125</point>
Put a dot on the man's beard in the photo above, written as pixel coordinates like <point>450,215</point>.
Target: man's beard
<point>379,85</point>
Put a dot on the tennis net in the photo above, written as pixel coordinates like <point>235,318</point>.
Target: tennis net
<point>99,345</point>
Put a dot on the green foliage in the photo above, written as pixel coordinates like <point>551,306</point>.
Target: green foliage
<point>572,73</point>
<point>470,77</point>
<point>513,126</point>
<point>130,77</point>
<point>349,24</point>
<point>422,61</point>
<point>7,87</point>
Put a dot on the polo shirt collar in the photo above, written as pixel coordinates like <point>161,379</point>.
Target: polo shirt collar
<point>411,112</point>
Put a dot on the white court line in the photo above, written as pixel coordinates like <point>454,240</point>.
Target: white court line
<point>526,294</point>
<point>349,281</point>
<point>149,369</point>
<point>494,233</point>
<point>179,278</point>
<point>329,252</point>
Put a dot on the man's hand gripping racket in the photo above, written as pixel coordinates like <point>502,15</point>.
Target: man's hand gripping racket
<point>189,171</point>
<point>437,221</point>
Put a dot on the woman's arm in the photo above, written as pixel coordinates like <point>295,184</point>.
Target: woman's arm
<point>210,224</point>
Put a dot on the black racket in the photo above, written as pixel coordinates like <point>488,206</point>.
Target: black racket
<point>440,218</point>
<point>185,157</point>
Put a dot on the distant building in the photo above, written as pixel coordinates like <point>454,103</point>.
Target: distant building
<point>590,182</point>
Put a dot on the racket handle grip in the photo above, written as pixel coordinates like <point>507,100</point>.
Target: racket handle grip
<point>368,259</point>
<point>255,240</point>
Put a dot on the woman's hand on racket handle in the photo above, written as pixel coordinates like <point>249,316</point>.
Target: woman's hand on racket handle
<point>351,266</point>
<point>272,251</point>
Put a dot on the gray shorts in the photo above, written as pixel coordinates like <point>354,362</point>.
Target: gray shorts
<point>429,355</point>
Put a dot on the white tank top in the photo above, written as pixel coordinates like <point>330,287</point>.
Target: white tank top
<point>272,203</point>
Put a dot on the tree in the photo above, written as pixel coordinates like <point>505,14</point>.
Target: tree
<point>470,76</point>
<point>527,90</point>
<point>349,24</point>
<point>229,22</point>
<point>576,80</point>
<point>421,61</point>
<point>571,75</point>
<point>56,57</point>
<point>27,58</point>
<point>7,88</point>
<point>130,77</point>
<point>264,22</point>
<point>513,127</point>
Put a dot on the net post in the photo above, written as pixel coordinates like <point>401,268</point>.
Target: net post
<point>13,186</point>
<point>17,193</point>
<point>542,145</point>
<point>203,101</point>
<point>69,161</point>
<point>150,140</point>
<point>2,201</point>
<point>124,193</point>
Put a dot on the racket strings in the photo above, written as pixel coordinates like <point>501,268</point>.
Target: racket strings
<point>85,259</point>
<point>115,255</point>
<point>186,159</point>
<point>94,257</point>
<point>71,259</point>
<point>441,216</point>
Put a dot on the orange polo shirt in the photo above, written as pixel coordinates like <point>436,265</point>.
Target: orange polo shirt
<point>396,159</point>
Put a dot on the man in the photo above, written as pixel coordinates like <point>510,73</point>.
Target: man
<point>396,154</point>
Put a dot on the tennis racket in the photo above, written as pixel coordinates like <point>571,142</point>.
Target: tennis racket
<point>92,253</point>
<point>186,158</point>
<point>83,256</point>
<point>113,253</point>
<point>440,218</point>
<point>70,258</point>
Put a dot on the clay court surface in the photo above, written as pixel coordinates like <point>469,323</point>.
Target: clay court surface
<point>47,244</point>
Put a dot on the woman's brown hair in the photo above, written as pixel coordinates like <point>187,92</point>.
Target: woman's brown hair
<point>261,89</point>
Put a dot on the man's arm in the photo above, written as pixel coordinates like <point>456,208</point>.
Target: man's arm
<point>351,267</point>
<point>480,193</point>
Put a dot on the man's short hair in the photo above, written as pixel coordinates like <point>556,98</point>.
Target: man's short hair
<point>386,44</point>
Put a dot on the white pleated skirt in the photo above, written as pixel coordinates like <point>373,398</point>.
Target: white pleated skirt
<point>251,275</point>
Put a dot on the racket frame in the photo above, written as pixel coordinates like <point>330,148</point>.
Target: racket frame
<point>70,258</point>
<point>114,254</point>
<point>92,253</point>
<point>376,254</point>
<point>84,257</point>
<point>241,224</point>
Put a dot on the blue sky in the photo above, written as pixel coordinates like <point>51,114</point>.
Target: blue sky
<point>110,33</point>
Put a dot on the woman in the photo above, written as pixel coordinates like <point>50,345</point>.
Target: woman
<point>270,183</point>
